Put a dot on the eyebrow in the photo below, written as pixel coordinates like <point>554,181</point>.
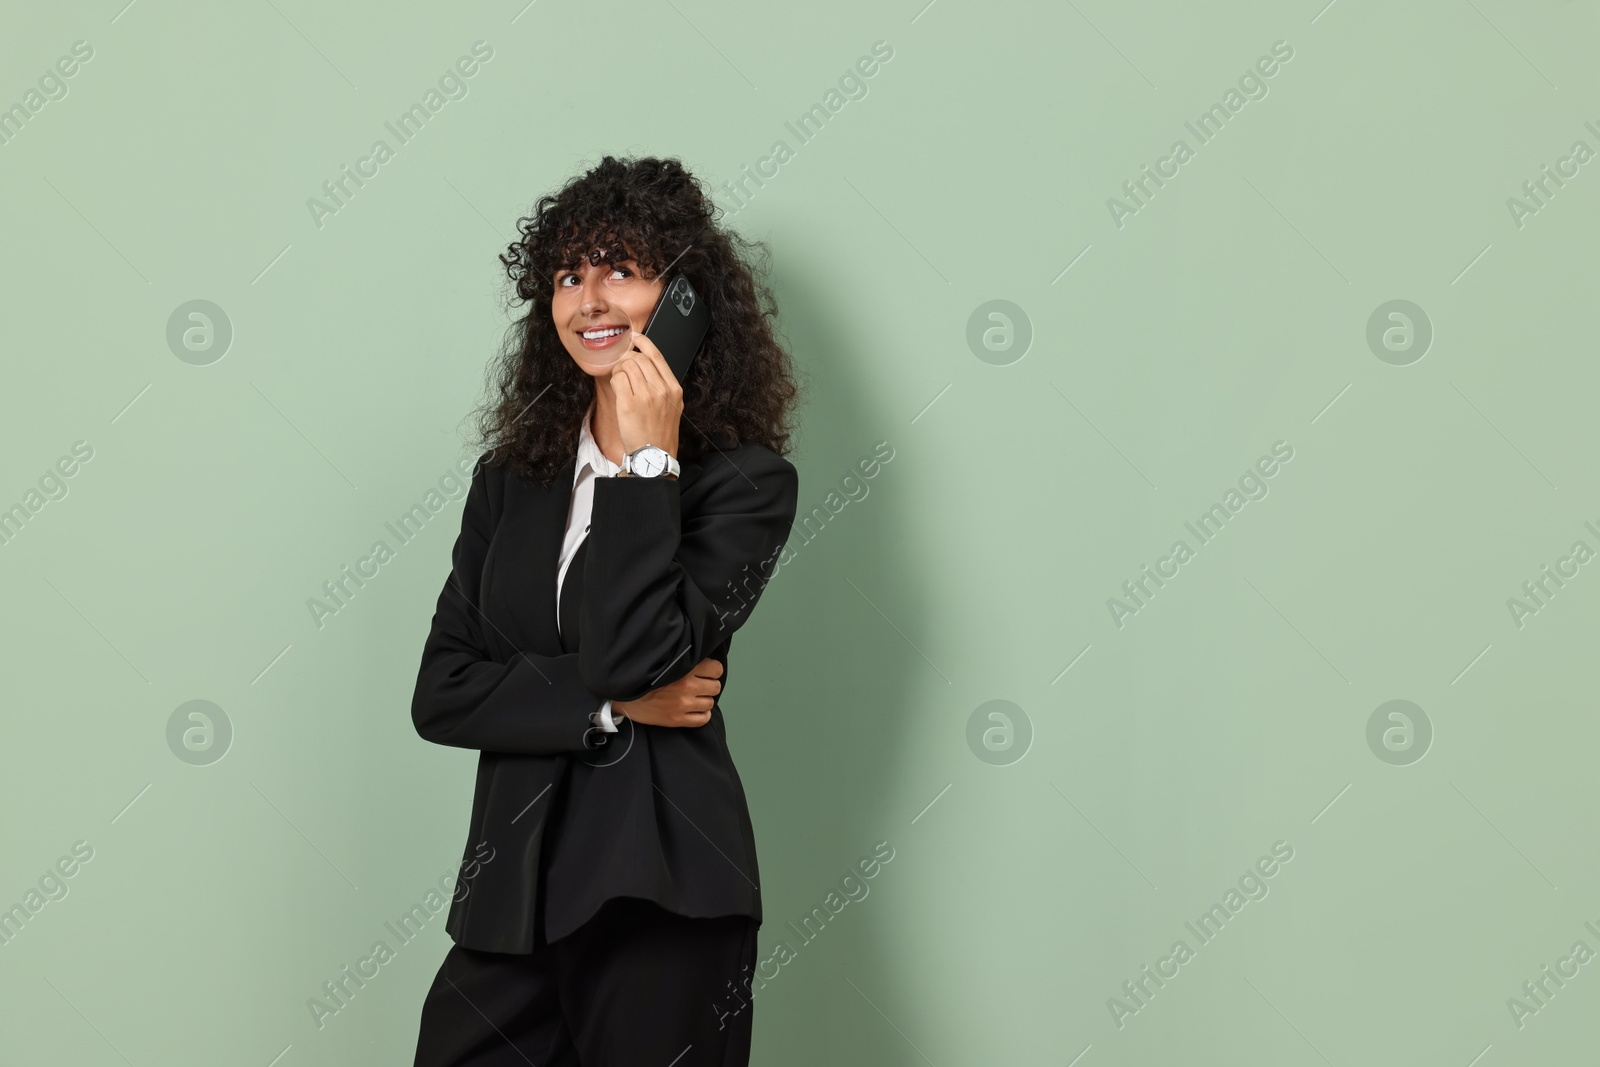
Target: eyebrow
<point>572,268</point>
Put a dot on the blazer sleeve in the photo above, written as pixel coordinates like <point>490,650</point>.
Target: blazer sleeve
<point>659,592</point>
<point>465,697</point>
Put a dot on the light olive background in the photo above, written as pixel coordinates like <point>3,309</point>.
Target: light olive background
<point>1229,313</point>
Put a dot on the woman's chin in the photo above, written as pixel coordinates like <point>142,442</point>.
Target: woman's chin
<point>598,363</point>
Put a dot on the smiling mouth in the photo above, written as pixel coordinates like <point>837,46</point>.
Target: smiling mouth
<point>602,336</point>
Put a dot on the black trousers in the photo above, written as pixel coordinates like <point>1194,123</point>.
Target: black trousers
<point>635,986</point>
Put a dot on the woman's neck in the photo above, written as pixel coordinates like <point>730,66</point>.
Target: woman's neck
<point>603,421</point>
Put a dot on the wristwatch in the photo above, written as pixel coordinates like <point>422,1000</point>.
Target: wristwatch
<point>649,461</point>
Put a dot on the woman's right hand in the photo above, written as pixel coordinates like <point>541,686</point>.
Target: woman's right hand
<point>686,702</point>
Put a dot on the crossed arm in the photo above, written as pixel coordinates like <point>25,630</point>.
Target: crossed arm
<point>659,594</point>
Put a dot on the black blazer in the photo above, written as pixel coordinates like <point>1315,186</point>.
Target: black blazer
<point>573,816</point>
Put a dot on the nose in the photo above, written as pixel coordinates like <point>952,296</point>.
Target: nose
<point>594,294</point>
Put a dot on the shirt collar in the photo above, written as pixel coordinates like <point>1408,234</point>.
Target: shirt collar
<point>589,453</point>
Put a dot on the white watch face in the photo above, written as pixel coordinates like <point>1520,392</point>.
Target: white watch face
<point>650,462</point>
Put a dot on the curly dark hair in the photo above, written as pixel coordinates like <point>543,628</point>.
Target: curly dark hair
<point>655,212</point>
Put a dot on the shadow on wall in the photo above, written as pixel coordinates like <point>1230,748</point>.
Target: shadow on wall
<point>821,701</point>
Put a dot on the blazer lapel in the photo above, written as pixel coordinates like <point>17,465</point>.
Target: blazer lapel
<point>520,570</point>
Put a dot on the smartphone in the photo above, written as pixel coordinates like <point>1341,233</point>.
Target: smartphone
<point>678,325</point>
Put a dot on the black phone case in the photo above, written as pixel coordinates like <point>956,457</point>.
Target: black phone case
<point>678,325</point>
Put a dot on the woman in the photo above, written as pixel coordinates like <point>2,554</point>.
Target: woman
<point>616,534</point>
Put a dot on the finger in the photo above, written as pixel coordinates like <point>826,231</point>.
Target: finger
<point>644,344</point>
<point>619,375</point>
<point>655,360</point>
<point>709,668</point>
<point>654,376</point>
<point>625,381</point>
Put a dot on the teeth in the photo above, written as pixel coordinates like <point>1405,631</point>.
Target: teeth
<point>595,335</point>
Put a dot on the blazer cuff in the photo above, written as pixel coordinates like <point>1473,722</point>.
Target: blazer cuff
<point>646,511</point>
